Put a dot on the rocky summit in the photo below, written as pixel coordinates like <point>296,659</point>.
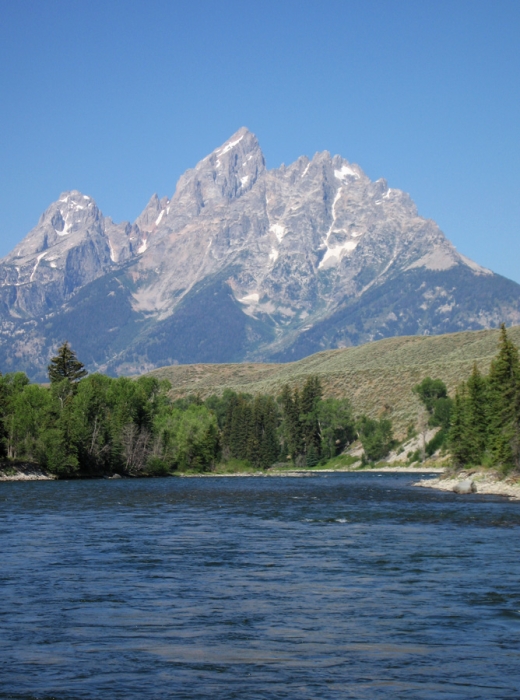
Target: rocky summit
<point>241,263</point>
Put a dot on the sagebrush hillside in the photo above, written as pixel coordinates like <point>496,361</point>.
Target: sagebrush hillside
<point>377,377</point>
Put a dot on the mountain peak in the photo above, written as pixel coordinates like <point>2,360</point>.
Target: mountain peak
<point>242,136</point>
<point>235,153</point>
<point>221,177</point>
<point>240,263</point>
<point>74,195</point>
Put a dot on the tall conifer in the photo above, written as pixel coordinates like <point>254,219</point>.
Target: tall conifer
<point>459,436</point>
<point>311,397</point>
<point>504,381</point>
<point>478,415</point>
<point>65,365</point>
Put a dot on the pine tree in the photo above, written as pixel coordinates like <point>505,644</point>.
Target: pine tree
<point>504,386</point>
<point>271,443</point>
<point>460,434</point>
<point>238,435</point>
<point>292,426</point>
<point>311,397</point>
<point>65,365</point>
<point>478,415</point>
<point>265,422</point>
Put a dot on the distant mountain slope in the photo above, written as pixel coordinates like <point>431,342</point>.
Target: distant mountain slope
<point>241,263</point>
<point>377,377</point>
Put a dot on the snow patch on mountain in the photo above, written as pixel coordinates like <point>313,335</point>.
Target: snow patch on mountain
<point>38,259</point>
<point>345,171</point>
<point>229,146</point>
<point>278,230</point>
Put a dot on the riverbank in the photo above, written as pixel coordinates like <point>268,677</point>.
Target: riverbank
<point>24,472</point>
<point>31,472</point>
<point>313,472</point>
<point>481,481</point>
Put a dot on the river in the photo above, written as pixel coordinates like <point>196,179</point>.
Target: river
<point>337,586</point>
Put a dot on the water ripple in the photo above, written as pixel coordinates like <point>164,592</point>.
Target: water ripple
<point>342,586</point>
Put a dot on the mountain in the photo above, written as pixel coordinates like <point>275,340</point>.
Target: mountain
<point>241,263</point>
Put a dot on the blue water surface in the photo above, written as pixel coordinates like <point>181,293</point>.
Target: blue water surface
<point>335,586</point>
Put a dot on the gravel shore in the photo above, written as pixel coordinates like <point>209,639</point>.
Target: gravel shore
<point>485,483</point>
<point>24,472</point>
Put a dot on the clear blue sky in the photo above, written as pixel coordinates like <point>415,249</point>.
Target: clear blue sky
<point>117,98</point>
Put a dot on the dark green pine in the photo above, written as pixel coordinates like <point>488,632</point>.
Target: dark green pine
<point>504,382</point>
<point>65,365</point>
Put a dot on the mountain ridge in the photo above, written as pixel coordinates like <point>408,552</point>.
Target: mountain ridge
<point>295,256</point>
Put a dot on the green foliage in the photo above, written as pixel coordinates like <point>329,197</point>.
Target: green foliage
<point>337,426</point>
<point>415,456</point>
<point>504,387</point>
<point>441,415</point>
<point>485,425</point>
<point>65,365</point>
<point>411,431</point>
<point>434,395</point>
<point>478,415</point>
<point>301,429</point>
<point>96,426</point>
<point>187,440</point>
<point>437,441</point>
<point>291,429</point>
<point>371,375</point>
<point>157,467</point>
<point>342,461</point>
<point>265,446</point>
<point>101,425</point>
<point>429,391</point>
<point>459,435</point>
<point>309,419</point>
<point>376,437</point>
<point>249,428</point>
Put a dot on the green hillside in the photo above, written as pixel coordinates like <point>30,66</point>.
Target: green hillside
<point>377,377</point>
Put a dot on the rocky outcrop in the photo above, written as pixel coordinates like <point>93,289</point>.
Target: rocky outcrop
<point>465,487</point>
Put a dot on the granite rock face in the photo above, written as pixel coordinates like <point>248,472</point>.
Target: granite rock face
<point>240,263</point>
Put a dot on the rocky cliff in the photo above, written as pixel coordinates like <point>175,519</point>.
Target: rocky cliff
<point>240,263</point>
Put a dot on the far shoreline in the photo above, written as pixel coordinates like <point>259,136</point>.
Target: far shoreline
<point>31,472</point>
<point>485,482</point>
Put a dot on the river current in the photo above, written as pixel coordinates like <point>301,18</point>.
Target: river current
<point>336,586</point>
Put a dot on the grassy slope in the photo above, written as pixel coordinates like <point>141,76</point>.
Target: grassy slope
<point>376,377</point>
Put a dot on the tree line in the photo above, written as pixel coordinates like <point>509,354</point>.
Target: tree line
<point>485,422</point>
<point>91,425</point>
<point>480,426</point>
<point>95,425</point>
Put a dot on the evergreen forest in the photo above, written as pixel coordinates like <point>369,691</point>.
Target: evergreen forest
<point>97,425</point>
<point>82,425</point>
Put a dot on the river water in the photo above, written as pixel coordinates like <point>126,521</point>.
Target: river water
<point>336,586</point>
